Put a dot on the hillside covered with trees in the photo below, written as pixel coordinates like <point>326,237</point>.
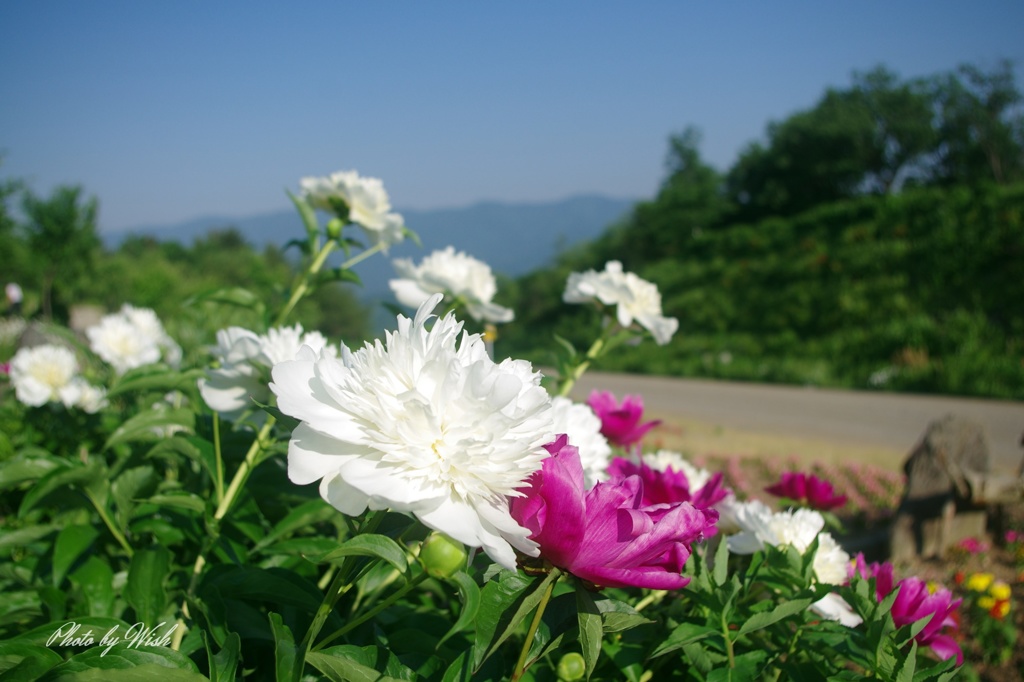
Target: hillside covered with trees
<point>875,240</point>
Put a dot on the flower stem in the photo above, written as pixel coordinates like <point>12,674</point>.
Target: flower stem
<point>303,285</point>
<point>356,622</point>
<point>359,258</point>
<point>244,470</point>
<point>102,511</point>
<point>576,372</point>
<point>520,668</point>
<point>728,641</point>
<point>218,458</point>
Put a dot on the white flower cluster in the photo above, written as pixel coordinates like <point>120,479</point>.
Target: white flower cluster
<point>454,274</point>
<point>49,373</point>
<point>636,299</point>
<point>422,423</point>
<point>760,526</point>
<point>583,426</point>
<point>132,337</point>
<point>244,360</point>
<point>367,202</point>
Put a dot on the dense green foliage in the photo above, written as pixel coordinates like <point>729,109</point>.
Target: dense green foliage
<point>878,244</point>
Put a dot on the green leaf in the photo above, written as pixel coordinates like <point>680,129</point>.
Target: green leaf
<point>24,536</point>
<point>618,616</point>
<point>78,475</point>
<point>309,221</point>
<point>195,448</point>
<point>766,618</point>
<point>249,583</point>
<point>747,667</point>
<point>721,569</point>
<point>20,660</point>
<point>504,604</point>
<point>20,469</point>
<point>591,630</point>
<point>683,636</point>
<point>71,542</point>
<point>224,664</point>
<point>127,488</point>
<point>124,664</point>
<point>179,499</point>
<point>469,593</point>
<point>371,545</point>
<point>347,663</point>
<point>338,275</point>
<point>286,654</point>
<point>306,514</point>
<point>156,377</point>
<point>233,296</point>
<point>48,635</point>
<point>905,668</point>
<point>144,590</point>
<point>151,425</point>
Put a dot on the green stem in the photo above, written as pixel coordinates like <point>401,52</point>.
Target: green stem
<point>303,286</point>
<point>728,641</point>
<point>534,624</point>
<point>379,246</point>
<point>242,475</point>
<point>340,585</point>
<point>218,458</point>
<point>102,511</point>
<point>356,622</point>
<point>592,354</point>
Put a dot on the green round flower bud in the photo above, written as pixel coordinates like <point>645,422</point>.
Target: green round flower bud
<point>441,556</point>
<point>334,226</point>
<point>572,667</point>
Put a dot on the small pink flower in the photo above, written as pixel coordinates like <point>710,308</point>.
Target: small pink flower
<point>669,486</point>
<point>817,493</point>
<point>915,602</point>
<point>606,535</point>
<point>620,424</point>
<point>5,368</point>
<point>973,546</point>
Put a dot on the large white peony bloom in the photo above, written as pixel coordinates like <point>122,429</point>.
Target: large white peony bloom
<point>423,425</point>
<point>130,338</point>
<point>452,273</point>
<point>49,373</point>
<point>367,202</point>
<point>583,426</point>
<point>798,528</point>
<point>244,361</point>
<point>636,299</point>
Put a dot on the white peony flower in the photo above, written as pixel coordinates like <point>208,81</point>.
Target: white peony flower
<point>452,273</point>
<point>245,359</point>
<point>795,528</point>
<point>130,338</point>
<point>636,299</point>
<point>80,393</point>
<point>367,201</point>
<point>422,425</point>
<point>583,426</point>
<point>41,373</point>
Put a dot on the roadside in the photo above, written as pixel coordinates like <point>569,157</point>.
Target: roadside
<point>706,417</point>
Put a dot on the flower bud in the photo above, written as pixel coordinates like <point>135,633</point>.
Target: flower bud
<point>572,667</point>
<point>334,226</point>
<point>441,556</point>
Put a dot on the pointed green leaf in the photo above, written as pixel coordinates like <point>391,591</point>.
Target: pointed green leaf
<point>25,661</point>
<point>286,654</point>
<point>306,514</point>
<point>309,221</point>
<point>504,603</point>
<point>766,618</point>
<point>469,593</point>
<point>152,425</point>
<point>179,499</point>
<point>721,568</point>
<point>224,664</point>
<point>144,590</point>
<point>591,629</point>
<point>126,664</point>
<point>71,542</point>
<point>21,469</point>
<point>24,536</point>
<point>96,582</point>
<point>233,296</point>
<point>76,475</point>
<point>371,545</point>
<point>159,378</point>
<point>128,488</point>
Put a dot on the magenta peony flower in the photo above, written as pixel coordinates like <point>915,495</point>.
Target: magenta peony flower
<point>620,424</point>
<point>606,535</point>
<point>669,486</point>
<point>914,602</point>
<point>809,489</point>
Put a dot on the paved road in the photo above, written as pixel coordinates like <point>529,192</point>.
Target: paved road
<point>852,417</point>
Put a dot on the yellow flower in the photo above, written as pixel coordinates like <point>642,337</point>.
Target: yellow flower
<point>979,582</point>
<point>1000,591</point>
<point>986,602</point>
<point>1000,609</point>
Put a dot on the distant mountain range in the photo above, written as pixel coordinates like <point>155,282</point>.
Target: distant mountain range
<point>512,238</point>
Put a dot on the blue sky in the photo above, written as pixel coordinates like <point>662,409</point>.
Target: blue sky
<point>172,110</point>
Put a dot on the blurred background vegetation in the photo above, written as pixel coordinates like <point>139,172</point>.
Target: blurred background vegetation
<point>875,240</point>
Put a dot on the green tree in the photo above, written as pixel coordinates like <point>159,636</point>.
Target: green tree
<point>981,126</point>
<point>61,234</point>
